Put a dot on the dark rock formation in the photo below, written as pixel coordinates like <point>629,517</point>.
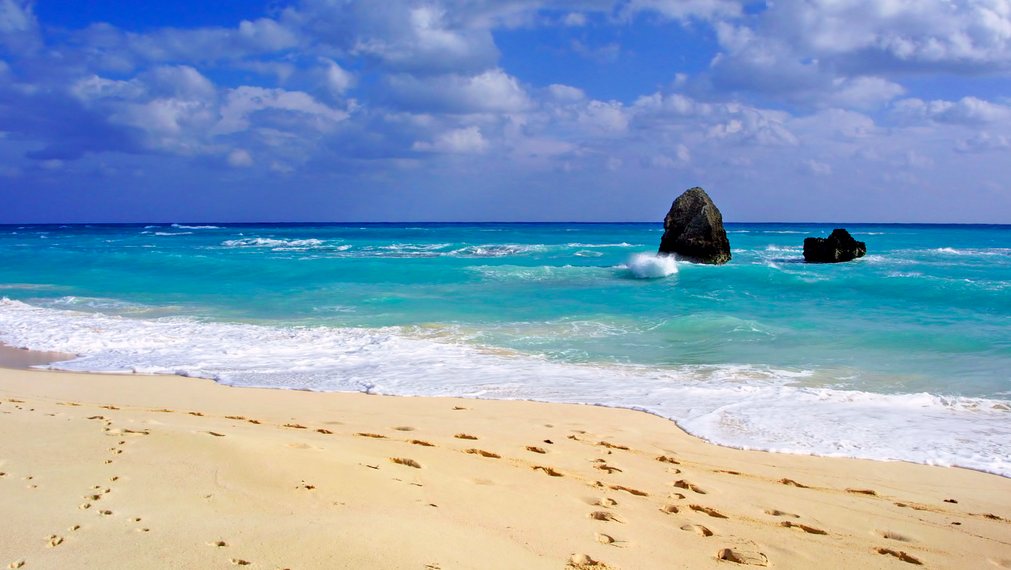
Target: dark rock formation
<point>839,246</point>
<point>693,229</point>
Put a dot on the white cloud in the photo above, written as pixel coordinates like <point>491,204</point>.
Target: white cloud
<point>16,16</point>
<point>244,102</point>
<point>337,79</point>
<point>982,142</point>
<point>491,91</point>
<point>897,33</point>
<point>267,34</point>
<point>240,158</point>
<point>684,9</point>
<point>565,93</point>
<point>608,117</point>
<point>965,111</point>
<point>818,168</point>
<point>574,19</point>
<point>458,141</point>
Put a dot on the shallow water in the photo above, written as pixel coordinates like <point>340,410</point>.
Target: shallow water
<point>903,354</point>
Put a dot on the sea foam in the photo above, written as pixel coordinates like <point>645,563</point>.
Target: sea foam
<point>743,406</point>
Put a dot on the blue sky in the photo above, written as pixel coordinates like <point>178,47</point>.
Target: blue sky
<point>356,110</point>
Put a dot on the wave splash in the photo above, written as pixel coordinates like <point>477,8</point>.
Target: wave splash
<point>650,266</point>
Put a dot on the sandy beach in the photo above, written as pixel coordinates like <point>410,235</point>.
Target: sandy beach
<point>102,471</point>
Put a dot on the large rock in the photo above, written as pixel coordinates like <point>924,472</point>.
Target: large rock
<point>839,246</point>
<point>693,229</point>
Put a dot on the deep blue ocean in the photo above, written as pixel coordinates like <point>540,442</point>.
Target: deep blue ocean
<point>902,354</point>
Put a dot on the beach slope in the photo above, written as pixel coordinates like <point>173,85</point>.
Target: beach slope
<point>101,471</point>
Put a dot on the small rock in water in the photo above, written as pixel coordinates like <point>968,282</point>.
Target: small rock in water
<point>837,247</point>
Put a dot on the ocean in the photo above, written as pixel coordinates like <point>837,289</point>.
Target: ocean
<point>904,354</point>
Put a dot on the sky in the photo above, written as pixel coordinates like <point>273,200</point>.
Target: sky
<point>504,110</point>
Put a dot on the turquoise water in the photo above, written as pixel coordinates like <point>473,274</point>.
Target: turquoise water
<point>919,329</point>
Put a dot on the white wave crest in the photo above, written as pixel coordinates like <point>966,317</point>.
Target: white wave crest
<point>181,226</point>
<point>497,250</point>
<point>622,244</point>
<point>300,244</point>
<point>650,266</point>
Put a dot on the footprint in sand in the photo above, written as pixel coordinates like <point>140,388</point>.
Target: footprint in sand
<point>404,428</point>
<point>629,490</point>
<point>803,527</point>
<point>607,468</point>
<point>604,538</point>
<point>870,492</point>
<point>465,436</point>
<point>16,564</point>
<point>779,513</point>
<point>682,484</point>
<point>421,443</point>
<point>667,459</point>
<point>669,509</point>
<point>605,516</point>
<point>900,555</point>
<point>372,435</point>
<point>218,544</point>
<point>748,556</point>
<point>612,445</point>
<point>105,513</point>
<point>535,449</point>
<point>793,483</point>
<point>605,502</point>
<point>584,562</point>
<point>483,453</point>
<point>892,535</point>
<point>697,529</point>
<point>54,541</point>
<point>707,510</point>
<point>324,431</point>
<point>548,470</point>
<point>406,461</point>
<point>240,562</point>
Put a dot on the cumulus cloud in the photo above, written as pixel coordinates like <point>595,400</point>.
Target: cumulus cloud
<point>965,111</point>
<point>491,91</point>
<point>19,29</point>
<point>458,141</point>
<point>337,79</point>
<point>243,103</point>
<point>683,9</point>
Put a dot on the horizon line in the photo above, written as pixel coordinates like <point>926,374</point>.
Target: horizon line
<point>474,222</point>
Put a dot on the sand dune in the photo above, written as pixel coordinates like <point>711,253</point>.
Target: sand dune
<point>165,472</point>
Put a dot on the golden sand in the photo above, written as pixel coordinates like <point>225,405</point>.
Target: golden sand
<point>101,471</point>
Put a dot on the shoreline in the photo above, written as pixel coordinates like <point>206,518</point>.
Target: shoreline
<point>15,358</point>
<point>181,464</point>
